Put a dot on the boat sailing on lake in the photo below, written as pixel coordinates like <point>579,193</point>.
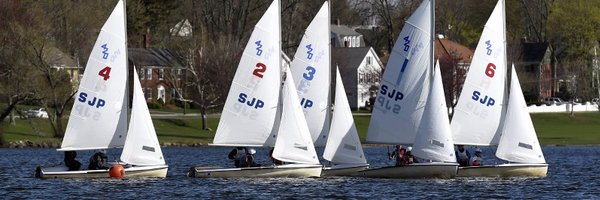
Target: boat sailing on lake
<point>410,106</point>
<point>99,118</point>
<point>491,109</point>
<point>260,112</point>
<point>311,70</point>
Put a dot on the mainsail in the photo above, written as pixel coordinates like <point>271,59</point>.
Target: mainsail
<point>399,105</point>
<point>478,114</point>
<point>98,119</point>
<point>250,110</point>
<point>311,71</point>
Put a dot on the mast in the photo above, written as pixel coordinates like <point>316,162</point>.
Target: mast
<point>129,82</point>
<point>332,70</point>
<point>507,76</point>
<point>432,40</point>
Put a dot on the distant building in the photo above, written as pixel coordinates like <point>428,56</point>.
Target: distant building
<point>161,74</point>
<point>345,36</point>
<point>455,60</point>
<point>361,71</point>
<point>63,62</point>
<point>535,71</point>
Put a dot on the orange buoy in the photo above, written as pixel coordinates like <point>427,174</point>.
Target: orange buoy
<point>116,171</point>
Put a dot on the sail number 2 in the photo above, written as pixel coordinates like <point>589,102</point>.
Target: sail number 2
<point>259,70</point>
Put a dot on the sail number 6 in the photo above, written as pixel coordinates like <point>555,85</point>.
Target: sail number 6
<point>105,73</point>
<point>490,70</point>
<point>260,69</point>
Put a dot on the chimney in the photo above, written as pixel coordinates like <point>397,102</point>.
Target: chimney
<point>146,42</point>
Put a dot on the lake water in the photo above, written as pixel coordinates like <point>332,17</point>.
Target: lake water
<point>574,172</point>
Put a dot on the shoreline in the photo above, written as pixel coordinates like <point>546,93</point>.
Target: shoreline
<point>20,144</point>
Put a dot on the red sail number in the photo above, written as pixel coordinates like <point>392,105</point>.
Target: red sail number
<point>260,69</point>
<point>490,70</point>
<point>105,73</point>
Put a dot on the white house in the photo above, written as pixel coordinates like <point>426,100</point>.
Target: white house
<point>361,70</point>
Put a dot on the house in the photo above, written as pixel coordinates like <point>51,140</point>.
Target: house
<point>345,36</point>
<point>361,71</point>
<point>454,60</point>
<point>161,74</point>
<point>63,62</point>
<point>534,71</point>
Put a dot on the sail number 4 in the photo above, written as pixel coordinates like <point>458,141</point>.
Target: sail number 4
<point>105,73</point>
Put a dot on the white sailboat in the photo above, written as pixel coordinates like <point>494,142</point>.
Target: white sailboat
<point>256,115</point>
<point>311,69</point>
<point>410,107</point>
<point>489,112</point>
<point>99,116</point>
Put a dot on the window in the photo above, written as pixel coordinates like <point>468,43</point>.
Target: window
<point>149,74</point>
<point>142,74</point>
<point>161,74</point>
<point>148,93</point>
<point>178,74</point>
<point>368,60</point>
<point>361,78</point>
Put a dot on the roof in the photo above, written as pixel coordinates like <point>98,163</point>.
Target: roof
<point>153,57</point>
<point>534,52</point>
<point>444,46</point>
<point>348,59</point>
<point>343,30</point>
<point>57,58</point>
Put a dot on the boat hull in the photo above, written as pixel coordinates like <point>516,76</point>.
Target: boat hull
<point>344,170</point>
<point>158,171</point>
<point>505,170</point>
<point>417,170</point>
<point>275,171</point>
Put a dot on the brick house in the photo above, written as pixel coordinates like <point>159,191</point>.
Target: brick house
<point>161,74</point>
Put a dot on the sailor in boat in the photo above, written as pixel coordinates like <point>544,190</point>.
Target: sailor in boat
<point>476,160</point>
<point>237,154</point>
<point>400,154</point>
<point>70,161</point>
<point>99,161</point>
<point>249,159</point>
<point>408,157</point>
<point>462,156</point>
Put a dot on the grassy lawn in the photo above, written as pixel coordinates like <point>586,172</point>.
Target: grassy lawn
<point>552,129</point>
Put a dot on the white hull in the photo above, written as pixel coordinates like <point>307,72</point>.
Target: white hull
<point>158,171</point>
<point>289,170</point>
<point>505,170</point>
<point>416,170</point>
<point>344,170</point>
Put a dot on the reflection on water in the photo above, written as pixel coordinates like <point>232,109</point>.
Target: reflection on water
<point>574,172</point>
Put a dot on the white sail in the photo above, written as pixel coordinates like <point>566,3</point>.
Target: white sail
<point>343,143</point>
<point>477,115</point>
<point>434,139</point>
<point>142,146</point>
<point>249,112</point>
<point>401,98</point>
<point>311,72</point>
<point>518,142</point>
<point>96,119</point>
<point>294,143</point>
